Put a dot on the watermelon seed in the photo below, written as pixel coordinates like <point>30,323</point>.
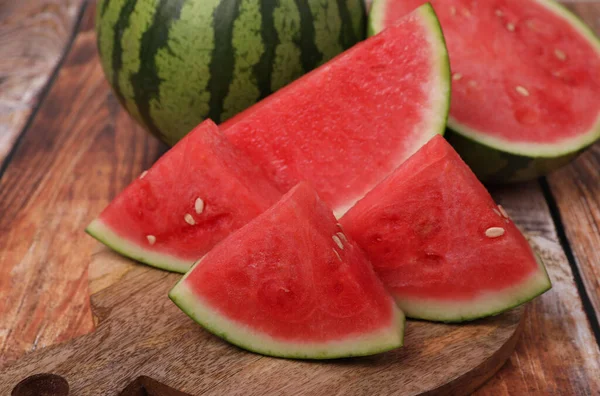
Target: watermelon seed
<point>337,254</point>
<point>456,76</point>
<point>199,205</point>
<point>189,219</point>
<point>497,212</point>
<point>494,232</point>
<point>453,10</point>
<point>144,173</point>
<point>522,90</point>
<point>151,239</point>
<point>504,214</point>
<point>499,13</point>
<point>472,84</point>
<point>466,13</point>
<point>336,239</point>
<point>510,27</point>
<point>342,236</point>
<point>560,54</point>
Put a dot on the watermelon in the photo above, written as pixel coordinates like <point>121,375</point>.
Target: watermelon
<point>525,82</point>
<point>194,196</point>
<point>174,63</point>
<point>440,244</point>
<point>291,284</point>
<point>351,122</point>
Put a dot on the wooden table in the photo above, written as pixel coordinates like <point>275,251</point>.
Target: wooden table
<point>66,148</point>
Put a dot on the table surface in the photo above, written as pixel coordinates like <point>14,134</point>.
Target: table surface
<point>66,148</point>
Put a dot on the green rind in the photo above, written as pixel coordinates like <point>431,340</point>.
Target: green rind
<point>499,161</point>
<point>110,238</point>
<point>487,305</point>
<point>438,42</point>
<point>243,336</point>
<point>443,61</point>
<point>437,114</point>
<point>493,166</point>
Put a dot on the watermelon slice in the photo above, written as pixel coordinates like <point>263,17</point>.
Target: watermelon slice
<point>351,122</point>
<point>440,244</point>
<point>291,284</point>
<point>193,197</point>
<point>525,82</point>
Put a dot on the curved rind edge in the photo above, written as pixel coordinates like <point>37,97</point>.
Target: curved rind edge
<point>437,41</point>
<point>243,336</point>
<point>493,166</point>
<point>104,234</point>
<point>542,153</point>
<point>490,304</point>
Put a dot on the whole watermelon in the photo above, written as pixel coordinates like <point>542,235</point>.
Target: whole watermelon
<point>173,63</point>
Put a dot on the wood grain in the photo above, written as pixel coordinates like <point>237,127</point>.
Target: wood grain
<point>576,189</point>
<point>557,353</point>
<point>80,150</point>
<point>141,332</point>
<point>33,37</point>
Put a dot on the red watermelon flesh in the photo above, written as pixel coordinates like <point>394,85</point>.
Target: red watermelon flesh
<point>348,124</point>
<point>192,198</point>
<point>525,72</point>
<point>439,242</point>
<point>291,284</point>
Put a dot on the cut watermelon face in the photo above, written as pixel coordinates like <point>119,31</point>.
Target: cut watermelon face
<point>291,284</point>
<point>348,124</point>
<point>440,244</point>
<point>525,81</point>
<point>193,197</point>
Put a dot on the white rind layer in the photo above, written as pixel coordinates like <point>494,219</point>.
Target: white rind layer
<point>110,238</point>
<point>246,337</point>
<point>486,304</point>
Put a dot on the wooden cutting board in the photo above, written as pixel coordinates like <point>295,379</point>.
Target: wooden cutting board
<point>141,332</point>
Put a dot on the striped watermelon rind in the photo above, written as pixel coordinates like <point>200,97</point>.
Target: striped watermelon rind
<point>497,160</point>
<point>237,334</point>
<point>173,63</point>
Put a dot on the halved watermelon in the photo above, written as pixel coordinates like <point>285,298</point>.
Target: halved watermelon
<point>351,122</point>
<point>194,196</point>
<point>526,82</point>
<point>291,284</point>
<point>440,244</point>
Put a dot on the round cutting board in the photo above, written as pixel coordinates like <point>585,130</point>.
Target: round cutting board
<point>142,333</point>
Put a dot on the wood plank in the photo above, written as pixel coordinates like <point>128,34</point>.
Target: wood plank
<point>557,353</point>
<point>48,195</point>
<point>576,190</point>
<point>33,36</point>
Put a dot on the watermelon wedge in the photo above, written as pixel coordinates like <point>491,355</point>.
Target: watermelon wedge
<point>525,82</point>
<point>291,284</point>
<point>348,124</point>
<point>194,196</point>
<point>440,244</point>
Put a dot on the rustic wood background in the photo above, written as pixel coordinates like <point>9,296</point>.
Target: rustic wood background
<point>66,148</point>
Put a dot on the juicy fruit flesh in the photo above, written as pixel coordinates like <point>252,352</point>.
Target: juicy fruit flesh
<point>520,72</point>
<point>433,232</point>
<point>285,277</point>
<point>387,95</point>
<point>160,212</point>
